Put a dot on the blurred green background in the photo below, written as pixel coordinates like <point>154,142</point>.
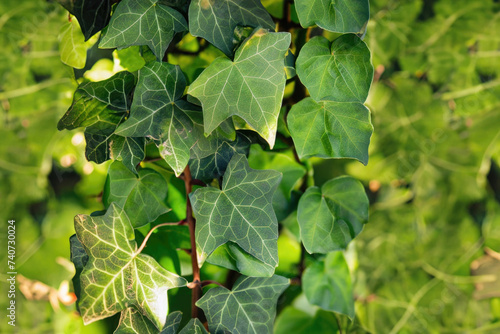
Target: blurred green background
<point>427,262</point>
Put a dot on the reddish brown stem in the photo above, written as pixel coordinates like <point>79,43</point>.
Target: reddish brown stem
<point>196,291</point>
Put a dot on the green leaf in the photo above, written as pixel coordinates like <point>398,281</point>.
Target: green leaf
<point>142,197</point>
<point>143,22</point>
<point>72,45</point>
<point>101,101</point>
<point>232,256</point>
<point>128,150</point>
<point>194,326</point>
<point>209,158</point>
<point>241,212</point>
<point>340,71</point>
<point>79,259</point>
<point>133,322</point>
<point>215,21</point>
<point>251,87</point>
<point>332,216</point>
<point>93,15</point>
<point>334,15</point>
<point>327,284</point>
<point>159,113</point>
<point>330,129</point>
<point>250,307</point>
<point>292,320</point>
<point>116,276</point>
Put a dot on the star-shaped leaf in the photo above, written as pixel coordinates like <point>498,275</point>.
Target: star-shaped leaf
<point>142,197</point>
<point>143,22</point>
<point>159,113</point>
<point>330,129</point>
<point>250,87</point>
<point>133,322</point>
<point>327,284</point>
<point>334,15</point>
<point>116,276</point>
<point>250,307</point>
<point>92,15</point>
<point>215,21</point>
<point>330,217</point>
<point>340,71</point>
<point>194,326</point>
<point>241,212</point>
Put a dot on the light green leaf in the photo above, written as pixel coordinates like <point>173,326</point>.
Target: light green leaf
<point>194,326</point>
<point>231,256</point>
<point>330,217</point>
<point>159,113</point>
<point>72,45</point>
<point>250,307</point>
<point>215,21</point>
<point>142,197</point>
<point>292,320</point>
<point>340,71</point>
<point>143,22</point>
<point>330,129</point>
<point>241,212</point>
<point>250,87</point>
<point>116,276</point>
<point>334,15</point>
<point>327,284</point>
<point>130,58</point>
<point>133,322</point>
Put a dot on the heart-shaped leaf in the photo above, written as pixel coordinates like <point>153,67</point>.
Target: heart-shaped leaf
<point>340,71</point>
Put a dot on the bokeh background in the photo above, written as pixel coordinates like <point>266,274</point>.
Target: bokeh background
<point>428,261</point>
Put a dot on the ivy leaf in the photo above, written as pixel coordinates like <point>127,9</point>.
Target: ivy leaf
<point>334,15</point>
<point>133,322</point>
<point>79,259</point>
<point>116,276</point>
<point>93,15</point>
<point>72,46</point>
<point>330,217</point>
<point>142,197</point>
<point>194,326</point>
<point>210,161</point>
<point>215,21</point>
<point>232,256</point>
<point>159,113</point>
<point>340,71</point>
<point>327,284</point>
<point>250,307</point>
<point>330,129</point>
<point>251,86</point>
<point>241,212</point>
<point>128,150</point>
<point>143,22</point>
<point>292,320</point>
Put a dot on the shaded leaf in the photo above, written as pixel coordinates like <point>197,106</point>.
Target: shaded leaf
<point>128,150</point>
<point>142,197</point>
<point>194,326</point>
<point>334,15</point>
<point>79,259</point>
<point>340,71</point>
<point>93,15</point>
<point>331,216</point>
<point>159,113</point>
<point>241,212</point>
<point>330,129</point>
<point>327,283</point>
<point>292,320</point>
<point>143,22</point>
<point>116,277</point>
<point>133,322</point>
<point>250,307</point>
<point>216,21</point>
<point>250,87</point>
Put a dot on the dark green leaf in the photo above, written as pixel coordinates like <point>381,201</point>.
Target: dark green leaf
<point>330,129</point>
<point>116,276</point>
<point>251,87</point>
<point>334,15</point>
<point>79,259</point>
<point>327,283</point>
<point>143,22</point>
<point>241,212</point>
<point>332,216</point>
<point>250,307</point>
<point>133,322</point>
<point>93,15</point>
<point>340,71</point>
<point>142,197</point>
<point>128,150</point>
<point>215,21</point>
<point>194,326</point>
